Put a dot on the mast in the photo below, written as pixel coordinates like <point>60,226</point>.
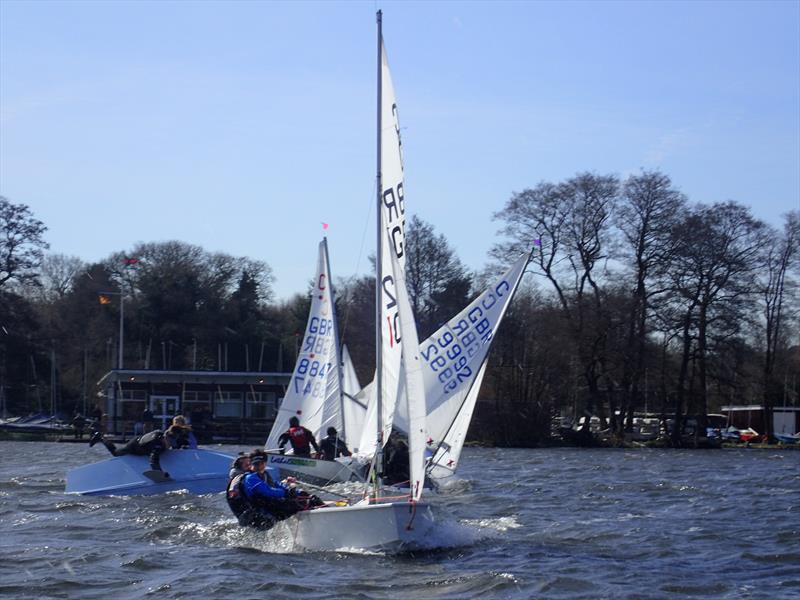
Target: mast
<point>379,260</point>
<point>335,337</point>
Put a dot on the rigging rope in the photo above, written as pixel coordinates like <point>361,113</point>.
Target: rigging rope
<point>352,278</point>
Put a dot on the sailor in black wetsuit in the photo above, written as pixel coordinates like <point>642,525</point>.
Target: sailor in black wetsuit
<point>396,467</point>
<point>300,438</point>
<point>152,444</point>
<point>333,446</point>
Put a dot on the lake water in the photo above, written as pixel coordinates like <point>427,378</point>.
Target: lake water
<point>550,523</point>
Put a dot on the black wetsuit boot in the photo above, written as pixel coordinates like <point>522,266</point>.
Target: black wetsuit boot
<point>111,447</point>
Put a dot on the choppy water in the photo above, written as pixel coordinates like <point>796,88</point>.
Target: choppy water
<point>556,523</point>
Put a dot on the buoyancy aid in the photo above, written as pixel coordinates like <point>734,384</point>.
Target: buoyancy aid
<point>180,437</point>
<point>149,438</point>
<point>237,501</point>
<point>298,437</point>
<point>333,447</point>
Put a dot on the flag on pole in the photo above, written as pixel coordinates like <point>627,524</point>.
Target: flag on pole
<point>104,299</point>
<point>130,261</point>
<point>324,225</point>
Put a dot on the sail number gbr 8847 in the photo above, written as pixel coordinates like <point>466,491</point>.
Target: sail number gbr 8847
<point>310,375</point>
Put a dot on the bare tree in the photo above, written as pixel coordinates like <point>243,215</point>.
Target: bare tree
<point>570,222</point>
<point>647,212</point>
<point>712,275</point>
<point>58,272</point>
<point>21,242</point>
<point>781,251</point>
<point>438,284</point>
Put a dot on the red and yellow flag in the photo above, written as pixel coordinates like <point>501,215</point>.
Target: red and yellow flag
<point>104,299</point>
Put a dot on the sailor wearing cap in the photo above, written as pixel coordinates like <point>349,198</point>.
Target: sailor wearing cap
<point>267,501</point>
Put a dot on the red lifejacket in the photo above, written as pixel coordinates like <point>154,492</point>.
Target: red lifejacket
<point>298,437</point>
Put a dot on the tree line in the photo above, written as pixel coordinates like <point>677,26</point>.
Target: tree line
<point>635,298</point>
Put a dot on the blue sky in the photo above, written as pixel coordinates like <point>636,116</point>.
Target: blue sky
<point>241,126</point>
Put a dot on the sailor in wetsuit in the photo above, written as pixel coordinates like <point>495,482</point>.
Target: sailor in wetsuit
<point>300,438</point>
<point>259,501</point>
<point>268,501</point>
<point>180,434</point>
<point>333,446</point>
<point>396,466</point>
<point>234,493</point>
<point>240,465</point>
<point>152,444</point>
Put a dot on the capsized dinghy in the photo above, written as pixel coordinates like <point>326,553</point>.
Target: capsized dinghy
<point>198,471</point>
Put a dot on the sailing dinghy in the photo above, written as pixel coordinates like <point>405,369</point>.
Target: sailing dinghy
<point>378,521</point>
<point>197,471</point>
<point>316,392</point>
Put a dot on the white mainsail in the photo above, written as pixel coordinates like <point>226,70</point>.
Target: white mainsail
<point>392,220</point>
<point>414,385</point>
<point>314,394</point>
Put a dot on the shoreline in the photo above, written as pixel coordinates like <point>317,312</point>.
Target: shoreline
<point>59,437</point>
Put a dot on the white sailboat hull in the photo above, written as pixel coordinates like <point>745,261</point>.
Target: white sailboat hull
<point>198,471</point>
<point>390,526</point>
<point>318,472</point>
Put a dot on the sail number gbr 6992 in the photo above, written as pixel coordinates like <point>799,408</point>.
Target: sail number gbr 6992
<point>455,349</point>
